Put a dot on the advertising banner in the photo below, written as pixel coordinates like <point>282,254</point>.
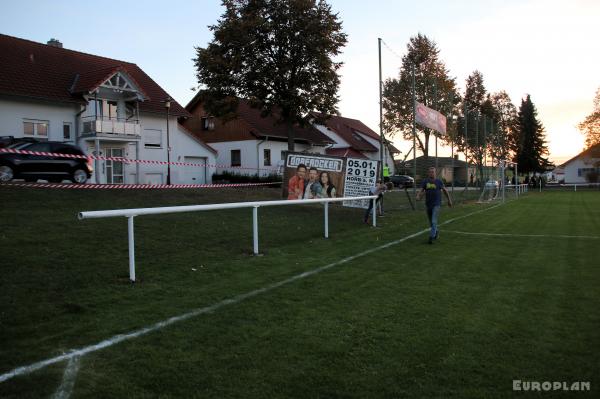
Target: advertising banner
<point>308,176</point>
<point>360,176</point>
<point>430,118</point>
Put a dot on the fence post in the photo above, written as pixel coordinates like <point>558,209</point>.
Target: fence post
<point>327,220</point>
<point>374,212</point>
<point>131,248</point>
<point>255,228</point>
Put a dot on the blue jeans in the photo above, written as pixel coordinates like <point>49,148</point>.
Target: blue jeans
<point>432,214</point>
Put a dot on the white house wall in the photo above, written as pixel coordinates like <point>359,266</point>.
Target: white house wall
<point>182,147</point>
<point>572,168</point>
<point>14,111</point>
<point>387,156</point>
<point>252,155</point>
<point>339,141</point>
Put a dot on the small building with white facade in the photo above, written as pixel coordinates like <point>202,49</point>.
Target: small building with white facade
<point>582,168</point>
<point>107,107</point>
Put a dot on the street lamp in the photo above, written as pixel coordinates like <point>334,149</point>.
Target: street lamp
<point>168,106</point>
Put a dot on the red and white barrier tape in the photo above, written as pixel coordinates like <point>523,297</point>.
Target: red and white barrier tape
<point>132,186</point>
<point>125,160</point>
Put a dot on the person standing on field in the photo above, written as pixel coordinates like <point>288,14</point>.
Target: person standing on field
<point>432,188</point>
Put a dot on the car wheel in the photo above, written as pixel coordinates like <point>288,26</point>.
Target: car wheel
<point>79,176</point>
<point>6,173</point>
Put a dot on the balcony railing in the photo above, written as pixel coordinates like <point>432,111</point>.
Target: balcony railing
<point>92,125</point>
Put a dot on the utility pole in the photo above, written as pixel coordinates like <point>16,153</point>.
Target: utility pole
<point>380,113</point>
<point>435,101</point>
<point>414,132</point>
<point>466,147</point>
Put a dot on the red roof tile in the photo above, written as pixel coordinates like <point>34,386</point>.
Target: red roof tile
<point>251,125</point>
<point>345,152</point>
<point>347,128</point>
<point>36,70</point>
<point>592,152</point>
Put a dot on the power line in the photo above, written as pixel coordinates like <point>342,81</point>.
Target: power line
<point>390,49</point>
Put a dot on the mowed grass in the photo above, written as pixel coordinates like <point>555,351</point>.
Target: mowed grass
<point>461,318</point>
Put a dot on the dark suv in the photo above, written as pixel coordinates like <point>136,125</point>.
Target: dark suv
<point>46,167</point>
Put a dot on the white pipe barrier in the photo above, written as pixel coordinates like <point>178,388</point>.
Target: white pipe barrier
<point>574,185</point>
<point>131,213</point>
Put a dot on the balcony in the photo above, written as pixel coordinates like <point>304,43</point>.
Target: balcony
<point>110,127</point>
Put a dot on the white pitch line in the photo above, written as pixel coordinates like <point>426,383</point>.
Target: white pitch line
<point>69,377</point>
<point>230,301</point>
<point>520,235</point>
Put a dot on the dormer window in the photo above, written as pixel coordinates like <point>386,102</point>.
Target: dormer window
<point>357,136</point>
<point>208,123</point>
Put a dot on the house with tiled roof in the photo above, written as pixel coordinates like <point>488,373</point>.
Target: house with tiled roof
<point>583,167</point>
<point>251,143</point>
<point>106,106</point>
<point>353,139</point>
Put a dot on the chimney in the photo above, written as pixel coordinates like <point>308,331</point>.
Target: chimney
<point>54,43</point>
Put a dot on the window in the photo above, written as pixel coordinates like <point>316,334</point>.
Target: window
<point>267,157</point>
<point>66,149</point>
<point>94,109</point>
<point>357,136</point>
<point>42,147</point>
<point>67,131</point>
<point>208,123</point>
<point>236,158</point>
<point>583,172</point>
<point>112,109</point>
<point>34,128</point>
<point>152,138</point>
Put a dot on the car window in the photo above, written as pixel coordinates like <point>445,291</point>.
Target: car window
<point>17,146</point>
<point>65,149</point>
<point>45,147</point>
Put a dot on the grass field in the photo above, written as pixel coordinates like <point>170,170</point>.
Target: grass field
<point>462,318</point>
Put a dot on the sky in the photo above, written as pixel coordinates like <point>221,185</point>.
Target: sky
<point>546,48</point>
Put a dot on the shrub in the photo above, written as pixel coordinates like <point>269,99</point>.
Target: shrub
<point>229,177</point>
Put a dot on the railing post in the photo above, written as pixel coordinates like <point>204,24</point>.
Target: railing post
<point>327,220</point>
<point>374,212</point>
<point>255,229</point>
<point>131,248</point>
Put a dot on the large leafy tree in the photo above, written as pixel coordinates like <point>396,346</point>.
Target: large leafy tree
<point>590,126</point>
<point>433,87</point>
<point>279,54</point>
<point>531,143</point>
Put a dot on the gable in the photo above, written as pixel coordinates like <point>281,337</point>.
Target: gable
<point>38,71</point>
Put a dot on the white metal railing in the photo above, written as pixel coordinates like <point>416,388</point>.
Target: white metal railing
<point>105,125</point>
<point>574,185</point>
<point>131,213</point>
<point>520,188</point>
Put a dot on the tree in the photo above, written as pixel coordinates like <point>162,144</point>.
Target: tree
<point>479,114</point>
<point>531,142</point>
<point>506,117</point>
<point>277,54</point>
<point>433,87</point>
<point>590,126</point>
